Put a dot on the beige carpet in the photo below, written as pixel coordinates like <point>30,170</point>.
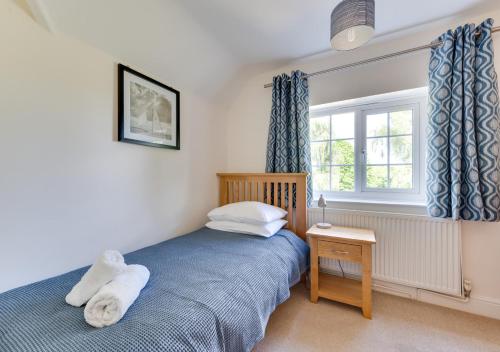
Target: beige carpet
<point>398,324</point>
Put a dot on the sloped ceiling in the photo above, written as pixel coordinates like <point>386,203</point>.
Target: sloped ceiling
<point>157,37</point>
<point>202,44</point>
<point>280,30</point>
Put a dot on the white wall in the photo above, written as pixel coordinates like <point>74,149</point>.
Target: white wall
<point>248,119</point>
<point>68,189</point>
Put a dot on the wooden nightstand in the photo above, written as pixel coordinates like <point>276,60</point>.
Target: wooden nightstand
<point>343,243</point>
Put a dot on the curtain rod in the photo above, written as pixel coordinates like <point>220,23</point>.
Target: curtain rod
<point>378,58</point>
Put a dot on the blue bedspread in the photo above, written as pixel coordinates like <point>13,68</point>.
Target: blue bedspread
<point>209,291</point>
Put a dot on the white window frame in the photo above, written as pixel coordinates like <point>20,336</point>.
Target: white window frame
<point>415,99</point>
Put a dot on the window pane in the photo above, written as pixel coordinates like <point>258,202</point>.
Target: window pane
<point>321,178</point>
<point>343,126</point>
<point>319,153</point>
<point>401,150</point>
<point>343,178</point>
<point>376,125</point>
<point>343,152</point>
<point>320,128</point>
<point>376,151</point>
<point>401,177</point>
<point>401,122</point>
<point>376,177</point>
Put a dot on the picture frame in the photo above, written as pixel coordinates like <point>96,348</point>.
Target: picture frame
<point>148,110</point>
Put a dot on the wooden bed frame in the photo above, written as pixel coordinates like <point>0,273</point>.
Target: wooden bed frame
<point>275,189</point>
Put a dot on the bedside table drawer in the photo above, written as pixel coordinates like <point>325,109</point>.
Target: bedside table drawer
<point>340,251</point>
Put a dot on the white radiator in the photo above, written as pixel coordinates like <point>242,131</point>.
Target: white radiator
<point>411,250</point>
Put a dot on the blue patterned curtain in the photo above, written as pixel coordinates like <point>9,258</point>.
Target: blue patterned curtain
<point>463,172</point>
<point>288,147</point>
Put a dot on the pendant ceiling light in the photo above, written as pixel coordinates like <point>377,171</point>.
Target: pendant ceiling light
<point>352,24</point>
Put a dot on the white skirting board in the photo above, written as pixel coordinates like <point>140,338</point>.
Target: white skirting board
<point>484,306</point>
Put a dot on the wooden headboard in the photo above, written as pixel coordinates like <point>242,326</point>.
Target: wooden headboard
<point>275,189</point>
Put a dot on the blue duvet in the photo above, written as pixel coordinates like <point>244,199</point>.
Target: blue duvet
<point>209,291</point>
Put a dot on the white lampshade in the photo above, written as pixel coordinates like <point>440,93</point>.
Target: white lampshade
<point>352,24</point>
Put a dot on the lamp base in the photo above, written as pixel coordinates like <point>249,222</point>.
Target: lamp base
<point>323,225</point>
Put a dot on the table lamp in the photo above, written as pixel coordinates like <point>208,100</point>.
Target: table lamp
<point>322,204</point>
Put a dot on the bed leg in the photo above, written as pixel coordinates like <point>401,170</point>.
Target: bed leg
<point>303,280</point>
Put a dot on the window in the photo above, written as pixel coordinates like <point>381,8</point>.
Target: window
<point>369,148</point>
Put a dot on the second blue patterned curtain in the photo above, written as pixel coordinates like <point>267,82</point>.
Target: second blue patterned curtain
<point>463,168</point>
<point>288,147</point>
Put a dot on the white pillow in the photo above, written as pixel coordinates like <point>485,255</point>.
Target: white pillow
<point>248,212</point>
<point>266,230</point>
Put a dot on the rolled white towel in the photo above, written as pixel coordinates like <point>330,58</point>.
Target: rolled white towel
<point>113,300</point>
<point>106,268</point>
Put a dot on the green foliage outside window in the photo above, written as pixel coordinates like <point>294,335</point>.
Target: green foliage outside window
<point>388,151</point>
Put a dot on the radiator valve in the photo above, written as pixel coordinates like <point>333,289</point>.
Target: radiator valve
<point>467,288</point>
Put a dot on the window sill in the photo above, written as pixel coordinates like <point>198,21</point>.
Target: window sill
<point>402,207</point>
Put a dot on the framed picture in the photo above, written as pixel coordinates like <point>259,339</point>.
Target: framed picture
<point>148,111</point>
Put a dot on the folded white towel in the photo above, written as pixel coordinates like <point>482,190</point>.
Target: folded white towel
<point>106,268</point>
<point>113,300</point>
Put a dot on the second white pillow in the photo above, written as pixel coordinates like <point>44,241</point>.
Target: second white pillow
<point>266,230</point>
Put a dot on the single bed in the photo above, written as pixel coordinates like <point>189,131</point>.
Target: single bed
<point>209,290</point>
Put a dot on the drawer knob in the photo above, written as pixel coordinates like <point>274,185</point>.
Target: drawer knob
<point>341,252</point>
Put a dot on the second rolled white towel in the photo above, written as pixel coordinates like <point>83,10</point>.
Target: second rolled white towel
<point>106,268</point>
<point>113,300</point>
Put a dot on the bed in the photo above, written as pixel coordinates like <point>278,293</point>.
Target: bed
<point>209,290</point>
